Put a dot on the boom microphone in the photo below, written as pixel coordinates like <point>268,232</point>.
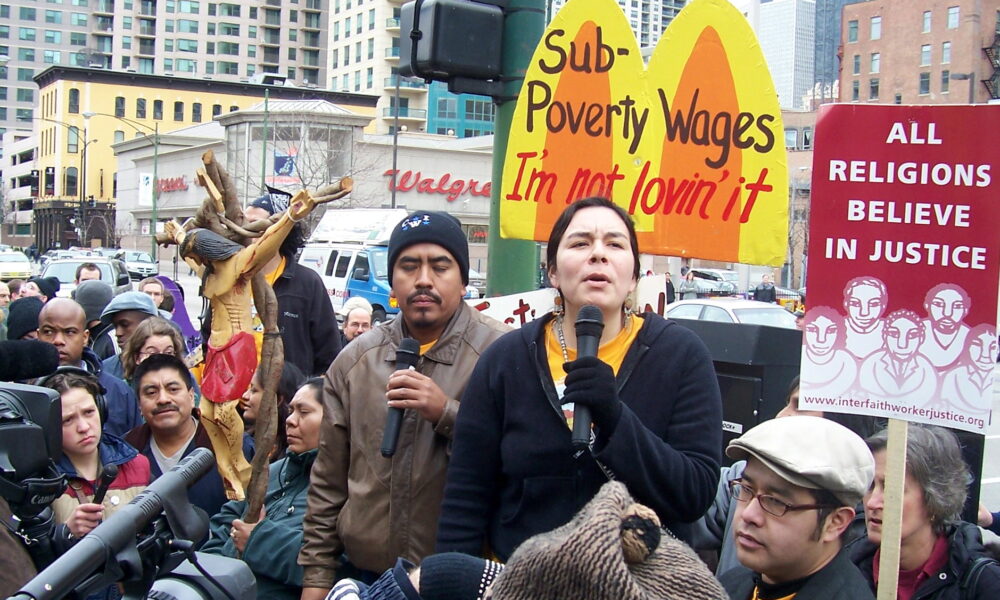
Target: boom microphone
<point>107,476</point>
<point>27,359</point>
<point>406,358</point>
<point>589,326</point>
<point>92,563</point>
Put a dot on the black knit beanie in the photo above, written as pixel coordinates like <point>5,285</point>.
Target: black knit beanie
<point>456,576</point>
<point>430,227</point>
<point>48,285</point>
<point>22,317</point>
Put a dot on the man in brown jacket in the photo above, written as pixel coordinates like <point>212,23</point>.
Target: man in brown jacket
<point>366,510</point>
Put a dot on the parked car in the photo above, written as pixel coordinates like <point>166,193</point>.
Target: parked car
<point>140,265</point>
<point>113,273</point>
<point>732,310</point>
<point>14,265</point>
<point>722,282</point>
<point>478,281</point>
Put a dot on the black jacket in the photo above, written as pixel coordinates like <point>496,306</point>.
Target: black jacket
<point>514,473</point>
<point>306,319</point>
<point>965,545</point>
<point>838,580</point>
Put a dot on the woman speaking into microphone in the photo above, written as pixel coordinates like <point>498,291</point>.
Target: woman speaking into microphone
<point>651,392</point>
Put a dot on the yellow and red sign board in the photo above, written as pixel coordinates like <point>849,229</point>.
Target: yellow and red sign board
<point>691,145</point>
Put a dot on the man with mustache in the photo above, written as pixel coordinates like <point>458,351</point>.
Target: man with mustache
<point>795,500</point>
<point>172,430</point>
<point>947,305</point>
<point>63,323</point>
<point>365,510</point>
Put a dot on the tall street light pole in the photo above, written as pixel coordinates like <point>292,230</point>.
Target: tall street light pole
<point>156,161</point>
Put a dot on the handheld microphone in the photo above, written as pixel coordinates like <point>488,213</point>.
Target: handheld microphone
<point>21,360</point>
<point>589,326</point>
<point>406,358</point>
<point>109,474</point>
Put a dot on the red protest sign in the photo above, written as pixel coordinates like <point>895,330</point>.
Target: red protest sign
<point>903,264</point>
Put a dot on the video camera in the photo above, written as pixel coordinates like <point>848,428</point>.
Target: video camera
<point>143,545</point>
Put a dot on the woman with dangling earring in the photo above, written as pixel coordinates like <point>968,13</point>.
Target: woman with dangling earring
<point>651,390</point>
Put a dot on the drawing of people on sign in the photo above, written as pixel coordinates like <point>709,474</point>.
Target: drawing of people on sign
<point>947,305</point>
<point>865,300</point>
<point>828,369</point>
<point>966,387</point>
<point>899,372</point>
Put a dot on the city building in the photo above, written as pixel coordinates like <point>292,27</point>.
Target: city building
<point>786,32</point>
<point>83,112</point>
<point>932,52</point>
<point>826,60</point>
<point>221,41</point>
<point>424,171</point>
<point>648,18</point>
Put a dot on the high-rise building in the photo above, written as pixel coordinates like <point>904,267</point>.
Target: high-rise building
<point>648,18</point>
<point>786,32</point>
<point>228,41</point>
<point>932,52</point>
<point>826,63</point>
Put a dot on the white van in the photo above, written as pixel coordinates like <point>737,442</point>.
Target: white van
<point>349,250</point>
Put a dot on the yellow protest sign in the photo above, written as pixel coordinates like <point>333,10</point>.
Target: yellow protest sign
<point>692,145</point>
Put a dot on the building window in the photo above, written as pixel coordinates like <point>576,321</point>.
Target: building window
<point>27,14</point>
<point>73,140</point>
<point>74,100</point>
<point>875,62</point>
<point>120,106</point>
<point>140,108</point>
<point>952,17</point>
<point>873,88</point>
<point>158,109</point>
<point>945,52</point>
<point>927,21</point>
<point>25,95</point>
<point>187,45</point>
<point>855,90</point>
<point>807,138</point>
<point>447,108</point>
<point>54,17</point>
<point>69,188</point>
<point>178,111</point>
<point>26,34</point>
<point>925,55</point>
<point>925,84</point>
<point>479,110</point>
<point>216,110</point>
<point>945,81</point>
<point>196,112</point>
<point>876,30</point>
<point>371,48</point>
<point>119,136</point>
<point>77,38</point>
<point>791,138</point>
<point>53,37</point>
<point>857,65</point>
<point>188,6</point>
<point>898,99</point>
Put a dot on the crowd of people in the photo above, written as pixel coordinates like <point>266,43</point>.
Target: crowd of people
<point>486,493</point>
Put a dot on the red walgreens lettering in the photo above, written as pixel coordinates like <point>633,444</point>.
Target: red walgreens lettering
<point>172,184</point>
<point>444,185</point>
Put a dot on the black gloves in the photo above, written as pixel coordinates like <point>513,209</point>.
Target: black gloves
<point>591,383</point>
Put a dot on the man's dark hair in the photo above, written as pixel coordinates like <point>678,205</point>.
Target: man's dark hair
<point>294,241</point>
<point>88,266</point>
<point>158,362</point>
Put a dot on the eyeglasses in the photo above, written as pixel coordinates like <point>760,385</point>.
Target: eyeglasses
<point>771,505</point>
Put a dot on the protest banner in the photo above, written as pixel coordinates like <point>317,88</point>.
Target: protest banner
<point>691,146</point>
<point>903,264</point>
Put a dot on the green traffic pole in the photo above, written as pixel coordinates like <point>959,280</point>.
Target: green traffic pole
<point>513,264</point>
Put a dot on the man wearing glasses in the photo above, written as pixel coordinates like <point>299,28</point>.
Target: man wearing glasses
<point>796,498</point>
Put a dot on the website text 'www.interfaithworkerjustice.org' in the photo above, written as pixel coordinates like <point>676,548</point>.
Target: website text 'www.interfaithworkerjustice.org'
<point>900,410</point>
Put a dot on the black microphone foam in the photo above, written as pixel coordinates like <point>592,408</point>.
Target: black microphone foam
<point>108,476</point>
<point>589,327</point>
<point>27,359</point>
<point>407,356</point>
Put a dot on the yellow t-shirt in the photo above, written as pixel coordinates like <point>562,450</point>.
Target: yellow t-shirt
<point>425,347</point>
<point>613,353</point>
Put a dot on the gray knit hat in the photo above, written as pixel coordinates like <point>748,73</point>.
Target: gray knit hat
<point>613,549</point>
<point>93,295</point>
